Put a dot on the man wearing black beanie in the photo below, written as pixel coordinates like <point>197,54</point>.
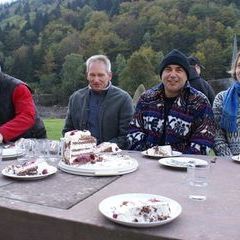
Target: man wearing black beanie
<point>173,113</point>
<point>177,58</point>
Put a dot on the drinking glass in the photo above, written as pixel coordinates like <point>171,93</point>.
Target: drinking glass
<point>198,179</point>
<point>22,150</point>
<point>54,152</point>
<point>41,148</point>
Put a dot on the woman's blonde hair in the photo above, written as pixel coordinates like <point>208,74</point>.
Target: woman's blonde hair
<point>234,66</point>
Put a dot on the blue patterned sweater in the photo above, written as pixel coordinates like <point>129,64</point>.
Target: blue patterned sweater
<point>190,123</point>
<point>226,143</point>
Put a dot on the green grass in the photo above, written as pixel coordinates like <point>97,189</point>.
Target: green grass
<point>54,128</point>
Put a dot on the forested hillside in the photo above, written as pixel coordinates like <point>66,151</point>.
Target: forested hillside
<point>46,42</point>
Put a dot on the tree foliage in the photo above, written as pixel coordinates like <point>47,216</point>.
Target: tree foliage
<point>46,43</point>
<point>73,74</point>
<point>139,70</point>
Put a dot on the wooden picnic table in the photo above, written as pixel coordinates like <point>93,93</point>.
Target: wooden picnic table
<point>65,206</point>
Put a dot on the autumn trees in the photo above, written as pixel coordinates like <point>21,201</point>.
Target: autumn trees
<point>46,43</point>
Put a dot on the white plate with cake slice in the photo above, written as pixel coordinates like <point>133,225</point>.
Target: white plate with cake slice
<point>110,165</point>
<point>12,152</point>
<point>127,209</point>
<point>151,154</point>
<point>180,162</point>
<point>236,158</point>
<point>40,170</point>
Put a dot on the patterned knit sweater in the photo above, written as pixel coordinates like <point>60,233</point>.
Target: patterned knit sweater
<point>226,143</point>
<point>190,123</point>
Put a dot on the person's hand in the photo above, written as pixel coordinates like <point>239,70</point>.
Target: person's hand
<point>1,138</point>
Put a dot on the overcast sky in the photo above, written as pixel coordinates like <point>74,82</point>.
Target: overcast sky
<point>4,1</point>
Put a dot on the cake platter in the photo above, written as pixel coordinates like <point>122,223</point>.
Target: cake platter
<point>110,166</point>
<point>109,206</point>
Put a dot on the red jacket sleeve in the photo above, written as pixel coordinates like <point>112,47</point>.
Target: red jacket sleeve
<point>24,114</point>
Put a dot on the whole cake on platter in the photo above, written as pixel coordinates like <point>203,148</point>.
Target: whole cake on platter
<point>152,210</point>
<point>77,142</point>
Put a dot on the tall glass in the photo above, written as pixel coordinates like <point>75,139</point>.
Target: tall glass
<point>198,179</point>
<point>54,152</point>
<point>22,151</point>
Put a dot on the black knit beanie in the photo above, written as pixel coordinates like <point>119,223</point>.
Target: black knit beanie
<point>177,58</point>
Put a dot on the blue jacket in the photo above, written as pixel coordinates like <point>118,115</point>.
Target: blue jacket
<point>190,123</point>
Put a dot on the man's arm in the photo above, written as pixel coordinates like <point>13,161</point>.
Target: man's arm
<point>125,116</point>
<point>203,131</point>
<point>136,133</point>
<point>24,118</point>
<point>68,125</point>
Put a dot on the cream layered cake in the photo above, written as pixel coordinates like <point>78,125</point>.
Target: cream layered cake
<point>84,158</point>
<point>107,147</point>
<point>160,151</point>
<point>77,143</point>
<point>152,210</point>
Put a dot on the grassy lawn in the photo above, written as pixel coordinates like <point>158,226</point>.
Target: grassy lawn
<point>54,128</point>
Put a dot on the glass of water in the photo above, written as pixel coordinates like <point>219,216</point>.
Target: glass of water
<point>22,150</point>
<point>54,152</point>
<point>198,179</point>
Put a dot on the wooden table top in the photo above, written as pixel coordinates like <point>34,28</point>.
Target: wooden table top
<point>65,206</point>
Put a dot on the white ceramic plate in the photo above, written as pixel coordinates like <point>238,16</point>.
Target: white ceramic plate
<point>236,158</point>
<point>180,162</point>
<point>51,170</point>
<point>97,173</point>
<point>107,206</point>
<point>12,152</point>
<point>115,165</point>
<point>174,154</point>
